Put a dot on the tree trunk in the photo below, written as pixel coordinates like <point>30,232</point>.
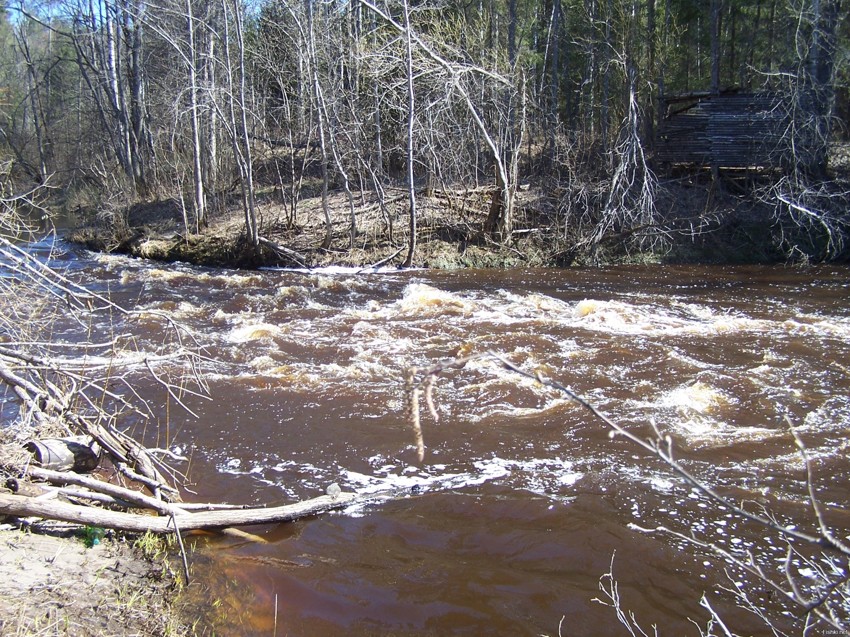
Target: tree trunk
<point>651,102</point>
<point>605,116</point>
<point>249,194</point>
<point>238,114</point>
<point>200,199</point>
<point>820,70</point>
<point>554,77</point>
<point>210,157</point>
<point>411,112</point>
<point>34,92</point>
<point>312,63</point>
<point>21,506</point>
<point>715,47</point>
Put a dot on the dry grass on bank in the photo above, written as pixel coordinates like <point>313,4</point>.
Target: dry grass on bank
<point>52,584</point>
<point>700,221</point>
<point>449,233</point>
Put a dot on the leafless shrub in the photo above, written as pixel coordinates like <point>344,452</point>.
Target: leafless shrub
<point>84,383</point>
<point>810,217</point>
<point>610,590</point>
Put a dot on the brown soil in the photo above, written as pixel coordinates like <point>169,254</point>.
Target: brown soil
<point>707,223</point>
<point>52,584</point>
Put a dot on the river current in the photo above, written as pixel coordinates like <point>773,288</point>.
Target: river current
<point>523,501</point>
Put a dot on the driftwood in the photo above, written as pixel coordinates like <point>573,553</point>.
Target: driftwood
<point>134,498</point>
<point>283,252</point>
<point>21,506</point>
<point>130,458</point>
<point>381,262</point>
<point>111,494</point>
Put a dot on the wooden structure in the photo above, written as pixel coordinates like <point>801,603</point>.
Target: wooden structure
<point>729,130</point>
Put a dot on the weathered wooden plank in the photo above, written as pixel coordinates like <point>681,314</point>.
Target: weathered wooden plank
<point>734,130</point>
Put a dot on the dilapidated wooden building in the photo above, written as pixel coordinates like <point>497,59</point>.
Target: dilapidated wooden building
<point>729,130</point>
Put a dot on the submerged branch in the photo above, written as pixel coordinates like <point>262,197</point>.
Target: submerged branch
<point>661,446</point>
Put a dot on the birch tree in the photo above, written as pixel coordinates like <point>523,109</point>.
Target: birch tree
<point>411,117</point>
<point>458,77</point>
<point>108,38</point>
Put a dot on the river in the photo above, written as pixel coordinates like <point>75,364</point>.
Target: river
<point>523,501</point>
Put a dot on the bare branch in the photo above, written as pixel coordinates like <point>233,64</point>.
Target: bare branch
<point>661,447</point>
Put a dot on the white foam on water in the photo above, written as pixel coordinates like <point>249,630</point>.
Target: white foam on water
<point>832,416</point>
<point>680,357</point>
<point>659,482</point>
<point>706,432</point>
<point>509,308</point>
<point>545,477</point>
<point>624,318</point>
<point>698,396</point>
<point>807,324</point>
<point>341,270</point>
<point>513,411</point>
<point>420,299</point>
<point>110,260</point>
<point>553,478</point>
<point>548,477</point>
<point>425,302</point>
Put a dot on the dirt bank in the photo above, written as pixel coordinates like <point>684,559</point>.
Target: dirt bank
<point>51,583</point>
<point>701,223</point>
<point>449,233</point>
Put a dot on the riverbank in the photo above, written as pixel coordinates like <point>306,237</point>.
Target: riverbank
<point>69,580</point>
<point>448,234</point>
<point>52,583</point>
<point>702,224</point>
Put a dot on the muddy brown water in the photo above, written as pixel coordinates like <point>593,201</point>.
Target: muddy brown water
<point>523,501</point>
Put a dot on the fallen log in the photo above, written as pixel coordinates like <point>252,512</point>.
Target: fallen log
<point>126,497</point>
<point>21,506</point>
<point>22,487</point>
<point>130,458</point>
<point>284,252</point>
<point>134,497</point>
<point>381,262</point>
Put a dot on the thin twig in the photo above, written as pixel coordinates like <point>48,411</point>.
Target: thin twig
<point>182,548</point>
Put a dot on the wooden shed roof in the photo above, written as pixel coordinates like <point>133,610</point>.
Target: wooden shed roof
<point>737,130</point>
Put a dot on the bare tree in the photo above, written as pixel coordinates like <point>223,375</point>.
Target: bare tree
<point>316,89</point>
<point>35,94</point>
<point>108,38</point>
<point>80,386</point>
<point>238,111</point>
<point>411,117</point>
<point>191,56</point>
<point>502,153</point>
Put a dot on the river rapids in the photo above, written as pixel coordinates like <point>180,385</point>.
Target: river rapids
<point>523,502</point>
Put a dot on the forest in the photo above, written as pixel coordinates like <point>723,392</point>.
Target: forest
<point>541,129</point>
